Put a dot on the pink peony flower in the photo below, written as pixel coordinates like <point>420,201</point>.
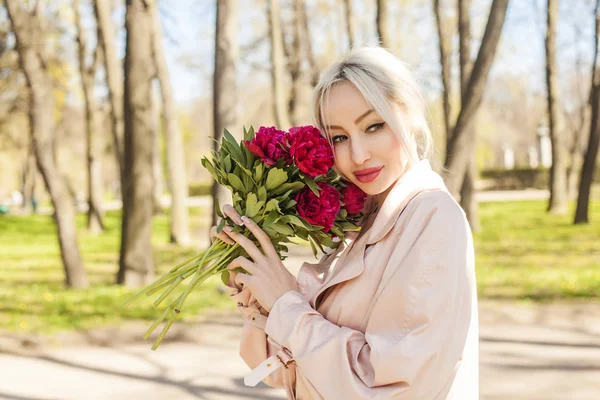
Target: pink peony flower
<point>269,144</point>
<point>310,151</point>
<point>319,210</point>
<point>353,199</point>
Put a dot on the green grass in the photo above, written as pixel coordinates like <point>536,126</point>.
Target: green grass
<point>524,253</point>
<point>33,297</point>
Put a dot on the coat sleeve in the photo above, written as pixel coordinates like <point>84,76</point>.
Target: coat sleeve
<point>254,344</point>
<point>417,330</point>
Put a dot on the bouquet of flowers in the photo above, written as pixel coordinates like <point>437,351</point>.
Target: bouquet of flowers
<point>284,181</point>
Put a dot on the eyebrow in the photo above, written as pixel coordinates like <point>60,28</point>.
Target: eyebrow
<point>355,122</point>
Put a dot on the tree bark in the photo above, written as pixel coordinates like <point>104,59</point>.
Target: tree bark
<point>114,76</point>
<point>382,23</point>
<point>95,222</point>
<point>468,200</point>
<point>136,266</point>
<point>349,22</point>
<point>157,170</point>
<point>558,172</point>
<point>177,177</point>
<point>305,34</point>
<point>224,87</point>
<point>445,65</point>
<point>293,53</point>
<point>462,143</point>
<point>277,65</point>
<point>589,160</point>
<point>41,118</point>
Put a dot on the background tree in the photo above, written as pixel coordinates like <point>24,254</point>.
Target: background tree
<point>177,177</point>
<point>382,23</point>
<point>94,145</point>
<point>136,265</point>
<point>589,160</point>
<point>462,143</point>
<point>224,87</point>
<point>558,172</point>
<point>277,65</point>
<point>114,75</point>
<point>27,27</point>
<point>349,22</point>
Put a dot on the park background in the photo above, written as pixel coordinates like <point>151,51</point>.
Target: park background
<point>104,103</point>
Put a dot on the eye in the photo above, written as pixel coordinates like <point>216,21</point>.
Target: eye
<point>375,127</point>
<point>338,139</point>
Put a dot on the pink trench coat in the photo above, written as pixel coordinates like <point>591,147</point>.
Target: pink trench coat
<point>399,320</point>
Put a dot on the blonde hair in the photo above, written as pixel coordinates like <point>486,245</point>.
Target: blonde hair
<point>383,80</point>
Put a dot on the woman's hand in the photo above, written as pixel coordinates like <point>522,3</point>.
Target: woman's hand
<point>268,279</point>
<point>229,211</point>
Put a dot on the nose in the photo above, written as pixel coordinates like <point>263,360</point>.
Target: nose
<point>359,149</point>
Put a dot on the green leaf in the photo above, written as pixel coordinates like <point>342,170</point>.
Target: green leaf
<point>225,276</point>
<point>236,183</point>
<point>233,147</point>
<point>313,246</point>
<point>221,225</point>
<point>290,204</point>
<point>251,201</point>
<point>282,228</point>
<point>207,164</point>
<point>272,218</point>
<point>227,162</point>
<point>262,193</point>
<point>248,133</point>
<point>313,186</point>
<point>349,227</point>
<point>343,214</point>
<point>275,178</point>
<point>218,208</point>
<point>258,172</point>
<point>291,186</point>
<point>272,204</point>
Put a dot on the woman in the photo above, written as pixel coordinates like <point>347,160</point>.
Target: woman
<point>393,314</point>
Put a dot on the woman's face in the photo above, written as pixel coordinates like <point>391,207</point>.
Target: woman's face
<point>367,151</point>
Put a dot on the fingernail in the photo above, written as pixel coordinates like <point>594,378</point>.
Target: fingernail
<point>240,221</point>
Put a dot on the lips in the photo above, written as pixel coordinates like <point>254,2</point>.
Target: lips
<point>368,174</point>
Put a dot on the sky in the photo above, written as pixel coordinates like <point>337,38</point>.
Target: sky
<point>188,28</point>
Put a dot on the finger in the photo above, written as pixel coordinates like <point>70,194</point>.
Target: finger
<point>222,235</point>
<point>243,262</point>
<point>243,279</point>
<point>232,213</point>
<point>231,281</point>
<point>246,243</point>
<point>261,236</point>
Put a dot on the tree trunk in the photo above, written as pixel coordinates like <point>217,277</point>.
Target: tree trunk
<point>157,171</point>
<point>28,180</point>
<point>558,172</point>
<point>382,23</point>
<point>445,65</point>
<point>462,143</point>
<point>293,54</point>
<point>88,74</point>
<point>177,177</point>
<point>589,160</point>
<point>41,118</point>
<point>277,65</point>
<point>114,76</point>
<point>349,22</point>
<point>305,34</point>
<point>468,199</point>
<point>224,87</point>
<point>136,262</point>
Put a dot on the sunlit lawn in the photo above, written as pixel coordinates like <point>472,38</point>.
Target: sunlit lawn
<point>525,253</point>
<point>522,253</point>
<point>32,293</point>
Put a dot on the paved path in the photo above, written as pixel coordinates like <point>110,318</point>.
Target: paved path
<point>527,352</point>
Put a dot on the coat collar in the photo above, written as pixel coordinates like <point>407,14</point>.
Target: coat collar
<point>420,177</point>
<point>417,179</point>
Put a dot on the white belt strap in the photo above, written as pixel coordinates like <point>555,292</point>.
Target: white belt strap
<point>267,367</point>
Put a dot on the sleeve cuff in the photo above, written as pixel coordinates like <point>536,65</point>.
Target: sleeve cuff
<point>283,317</point>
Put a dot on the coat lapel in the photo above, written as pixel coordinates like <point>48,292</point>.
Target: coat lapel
<point>351,262</point>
